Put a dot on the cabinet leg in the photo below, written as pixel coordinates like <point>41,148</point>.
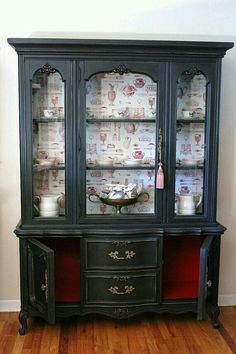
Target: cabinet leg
<point>23,322</point>
<point>214,312</point>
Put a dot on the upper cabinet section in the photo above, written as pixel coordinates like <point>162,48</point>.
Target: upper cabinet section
<point>119,132</point>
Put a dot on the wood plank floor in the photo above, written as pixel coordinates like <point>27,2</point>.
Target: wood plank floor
<point>146,334</point>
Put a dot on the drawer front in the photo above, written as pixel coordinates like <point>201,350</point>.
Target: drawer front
<point>113,254</point>
<point>122,288</point>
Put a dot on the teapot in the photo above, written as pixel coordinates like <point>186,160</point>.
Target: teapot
<point>188,203</point>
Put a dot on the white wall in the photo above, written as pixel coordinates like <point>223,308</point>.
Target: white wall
<point>212,20</point>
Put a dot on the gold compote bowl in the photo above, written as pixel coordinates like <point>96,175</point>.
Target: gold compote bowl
<point>118,203</point>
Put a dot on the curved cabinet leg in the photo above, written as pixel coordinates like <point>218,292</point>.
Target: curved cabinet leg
<point>214,312</point>
<point>23,322</point>
<point>215,317</point>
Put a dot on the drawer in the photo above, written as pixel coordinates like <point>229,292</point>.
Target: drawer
<point>114,254</point>
<point>122,288</point>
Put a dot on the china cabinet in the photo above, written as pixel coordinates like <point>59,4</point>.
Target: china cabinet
<point>118,148</point>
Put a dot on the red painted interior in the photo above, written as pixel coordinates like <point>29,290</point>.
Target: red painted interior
<point>181,267</point>
<point>67,268</point>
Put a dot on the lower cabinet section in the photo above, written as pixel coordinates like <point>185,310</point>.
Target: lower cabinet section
<point>117,277</point>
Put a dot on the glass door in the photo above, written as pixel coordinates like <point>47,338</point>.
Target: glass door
<point>122,118</point>
<point>47,147</point>
<point>48,108</point>
<point>190,143</point>
<point>192,149</point>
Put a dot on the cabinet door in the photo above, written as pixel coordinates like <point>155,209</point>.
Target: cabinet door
<point>194,141</point>
<point>46,142</point>
<point>41,280</point>
<point>123,110</point>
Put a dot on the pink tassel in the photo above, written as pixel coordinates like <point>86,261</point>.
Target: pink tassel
<point>160,177</point>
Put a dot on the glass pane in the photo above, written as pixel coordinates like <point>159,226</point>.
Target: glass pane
<point>48,144</point>
<point>121,141</point>
<point>190,143</point>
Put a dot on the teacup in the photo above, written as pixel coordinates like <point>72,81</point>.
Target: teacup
<point>118,113</point>
<point>187,113</point>
<point>48,113</point>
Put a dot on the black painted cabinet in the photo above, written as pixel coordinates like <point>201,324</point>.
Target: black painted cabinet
<point>119,145</point>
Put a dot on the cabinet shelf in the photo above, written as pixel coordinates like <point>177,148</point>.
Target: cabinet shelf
<point>48,120</point>
<point>193,167</point>
<point>120,120</point>
<point>39,168</point>
<point>183,120</point>
<point>120,167</point>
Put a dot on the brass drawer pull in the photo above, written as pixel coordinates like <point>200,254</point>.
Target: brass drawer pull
<point>44,287</point>
<point>128,289</point>
<point>128,255</point>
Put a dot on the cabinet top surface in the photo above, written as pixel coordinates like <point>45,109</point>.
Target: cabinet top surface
<point>29,44</point>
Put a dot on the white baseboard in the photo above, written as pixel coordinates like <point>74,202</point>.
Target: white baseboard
<point>9,305</point>
<point>14,305</point>
<point>227,300</point>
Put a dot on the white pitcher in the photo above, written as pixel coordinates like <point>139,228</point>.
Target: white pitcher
<point>49,205</point>
<point>188,203</point>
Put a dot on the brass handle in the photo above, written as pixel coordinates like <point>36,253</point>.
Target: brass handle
<point>128,289</point>
<point>44,287</point>
<point>209,283</point>
<point>128,255</point>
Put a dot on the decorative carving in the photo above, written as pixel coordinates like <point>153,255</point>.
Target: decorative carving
<point>121,70</point>
<point>123,278</point>
<point>121,243</point>
<point>47,69</point>
<point>128,255</point>
<point>121,312</point>
<point>190,73</point>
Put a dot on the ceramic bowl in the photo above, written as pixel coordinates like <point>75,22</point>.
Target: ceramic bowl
<point>133,162</point>
<point>190,162</point>
<point>105,162</point>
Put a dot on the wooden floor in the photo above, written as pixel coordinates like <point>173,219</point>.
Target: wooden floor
<point>149,334</point>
